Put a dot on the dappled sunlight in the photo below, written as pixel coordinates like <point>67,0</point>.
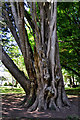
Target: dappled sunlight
<point>12,110</point>
<point>40,114</point>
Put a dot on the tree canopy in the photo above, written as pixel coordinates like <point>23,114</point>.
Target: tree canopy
<point>68,27</point>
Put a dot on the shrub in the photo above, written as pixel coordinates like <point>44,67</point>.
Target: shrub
<point>10,84</point>
<point>73,118</point>
<point>15,85</point>
<point>5,84</point>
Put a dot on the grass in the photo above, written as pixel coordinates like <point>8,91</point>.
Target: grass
<point>73,118</point>
<point>73,91</point>
<point>69,91</point>
<point>5,90</point>
<point>68,88</point>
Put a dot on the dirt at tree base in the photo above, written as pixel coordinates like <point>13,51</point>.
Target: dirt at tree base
<point>12,111</point>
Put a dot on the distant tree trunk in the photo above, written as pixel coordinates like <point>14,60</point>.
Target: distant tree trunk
<point>12,81</point>
<point>16,83</point>
<point>76,82</point>
<point>42,65</point>
<point>70,81</point>
<point>73,79</point>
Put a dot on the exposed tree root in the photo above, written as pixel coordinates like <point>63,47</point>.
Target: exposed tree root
<point>52,105</point>
<point>34,106</point>
<point>41,103</point>
<point>65,99</point>
<point>31,98</point>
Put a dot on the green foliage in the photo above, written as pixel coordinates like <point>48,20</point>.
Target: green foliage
<point>13,50</point>
<point>5,84</point>
<point>30,36</point>
<point>15,85</point>
<point>73,91</point>
<point>3,78</point>
<point>68,31</point>
<point>10,84</point>
<point>73,118</point>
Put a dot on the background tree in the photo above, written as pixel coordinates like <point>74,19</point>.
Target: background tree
<point>68,23</point>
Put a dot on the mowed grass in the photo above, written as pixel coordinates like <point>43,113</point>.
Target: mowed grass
<point>5,90</point>
<point>69,91</point>
<point>73,91</point>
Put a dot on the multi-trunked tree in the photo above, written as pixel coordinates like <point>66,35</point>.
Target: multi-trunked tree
<point>44,86</point>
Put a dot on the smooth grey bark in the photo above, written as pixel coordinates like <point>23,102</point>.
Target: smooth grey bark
<point>26,51</point>
<point>14,13</point>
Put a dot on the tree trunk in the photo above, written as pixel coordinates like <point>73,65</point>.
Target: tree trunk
<point>73,80</point>
<point>70,81</point>
<point>50,91</point>
<point>42,65</point>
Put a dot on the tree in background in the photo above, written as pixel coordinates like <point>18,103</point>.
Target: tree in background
<point>68,25</point>
<point>68,29</point>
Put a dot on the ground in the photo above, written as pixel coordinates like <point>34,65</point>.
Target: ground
<point>12,111</point>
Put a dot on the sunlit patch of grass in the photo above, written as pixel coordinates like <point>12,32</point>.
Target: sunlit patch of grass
<point>11,90</point>
<point>73,91</point>
<point>68,88</point>
<point>69,91</point>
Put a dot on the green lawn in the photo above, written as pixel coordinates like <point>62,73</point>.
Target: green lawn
<point>73,91</point>
<point>69,91</point>
<point>11,90</point>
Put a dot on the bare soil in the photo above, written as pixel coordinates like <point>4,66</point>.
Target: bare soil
<point>12,111</point>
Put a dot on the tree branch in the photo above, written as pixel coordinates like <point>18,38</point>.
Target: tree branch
<point>14,13</point>
<point>16,73</point>
<point>28,17</point>
<point>66,67</point>
<point>25,46</point>
<point>11,27</point>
